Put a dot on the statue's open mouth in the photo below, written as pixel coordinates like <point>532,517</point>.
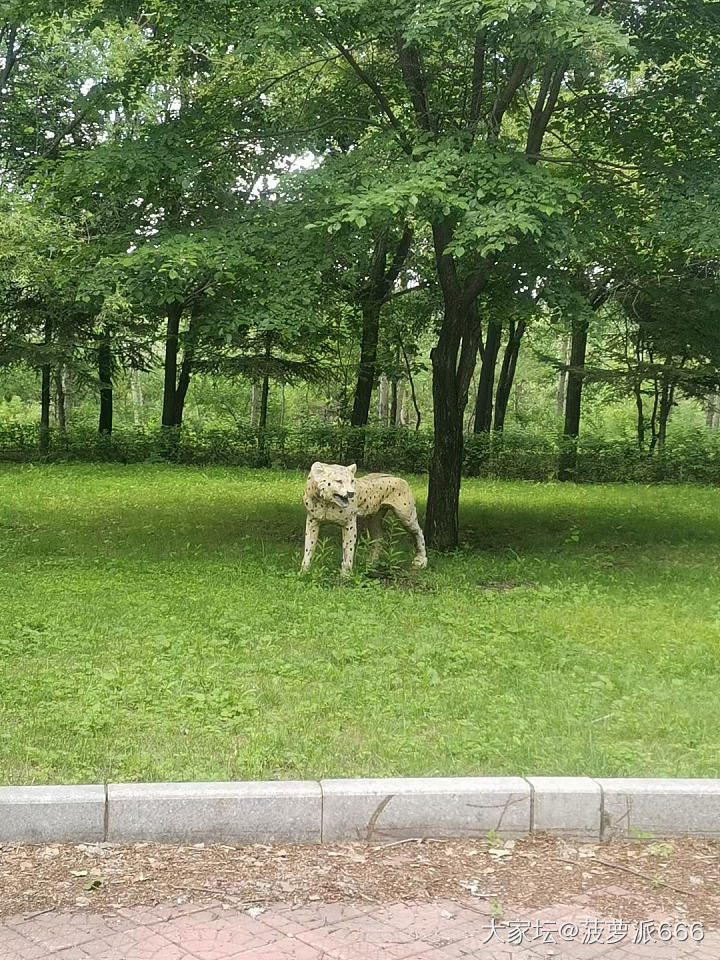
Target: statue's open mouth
<point>343,501</point>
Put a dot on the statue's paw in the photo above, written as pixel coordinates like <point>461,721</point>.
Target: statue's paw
<point>420,562</point>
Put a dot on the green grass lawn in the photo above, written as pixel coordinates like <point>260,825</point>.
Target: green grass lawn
<point>153,626</point>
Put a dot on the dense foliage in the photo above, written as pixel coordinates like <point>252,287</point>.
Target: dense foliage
<point>465,209</point>
<point>688,457</point>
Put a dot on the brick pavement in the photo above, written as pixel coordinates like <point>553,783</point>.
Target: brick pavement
<point>441,930</point>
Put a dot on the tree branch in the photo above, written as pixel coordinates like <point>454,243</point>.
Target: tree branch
<point>447,272</point>
<point>377,92</point>
<point>543,109</point>
<point>398,260</point>
<point>478,79</point>
<point>10,56</point>
<point>505,96</point>
<point>416,83</point>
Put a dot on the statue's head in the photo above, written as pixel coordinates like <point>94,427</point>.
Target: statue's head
<point>333,483</point>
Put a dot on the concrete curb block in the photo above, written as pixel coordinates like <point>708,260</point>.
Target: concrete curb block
<point>252,812</point>
<point>74,814</point>
<point>566,806</point>
<point>578,808</point>
<point>395,809</point>
<point>660,808</point>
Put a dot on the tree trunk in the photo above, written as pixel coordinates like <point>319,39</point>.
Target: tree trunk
<point>413,396</point>
<point>640,415</point>
<point>254,403</point>
<point>564,346</point>
<point>573,400</point>
<point>401,407</point>
<point>172,335</point>
<point>45,392</point>
<point>381,279</point>
<point>104,359</point>
<point>393,402</point>
<point>507,372</point>
<point>383,400</point>
<point>484,399</point>
<point>264,402</point>
<point>712,411</point>
<point>453,361</point>
<point>667,399</point>
<point>366,367</point>
<point>182,385</point>
<point>60,399</point>
<point>654,415</point>
<point>137,396</point>
<point>441,521</point>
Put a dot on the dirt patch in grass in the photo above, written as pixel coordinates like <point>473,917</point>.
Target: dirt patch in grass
<point>633,880</point>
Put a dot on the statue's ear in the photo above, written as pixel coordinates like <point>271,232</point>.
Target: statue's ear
<point>314,475</point>
<point>352,468</point>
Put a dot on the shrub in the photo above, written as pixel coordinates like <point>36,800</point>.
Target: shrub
<point>690,457</point>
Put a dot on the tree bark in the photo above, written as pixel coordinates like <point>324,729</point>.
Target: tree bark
<point>104,359</point>
<point>712,411</point>
<point>564,345</point>
<point>254,403</point>
<point>573,400</point>
<point>172,335</point>
<point>46,373</point>
<point>366,368</point>
<point>413,396</point>
<point>393,402</point>
<point>453,361</point>
<point>441,521</point>
<point>507,372</point>
<point>137,396</point>
<point>183,382</point>
<point>484,398</point>
<point>401,405</point>
<point>60,399</point>
<point>654,414</point>
<point>264,402</point>
<point>640,416</point>
<point>383,400</point>
<point>667,400</point>
<point>378,288</point>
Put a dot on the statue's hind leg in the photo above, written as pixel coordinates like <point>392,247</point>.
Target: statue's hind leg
<point>376,529</point>
<point>410,522</point>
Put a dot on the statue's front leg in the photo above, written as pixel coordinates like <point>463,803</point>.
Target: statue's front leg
<point>349,541</point>
<point>312,529</point>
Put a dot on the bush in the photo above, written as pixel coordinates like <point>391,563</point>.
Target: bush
<point>692,457</point>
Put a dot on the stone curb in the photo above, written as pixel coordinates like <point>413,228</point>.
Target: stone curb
<point>579,808</point>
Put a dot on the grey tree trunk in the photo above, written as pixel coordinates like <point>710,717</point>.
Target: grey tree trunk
<point>712,411</point>
<point>137,397</point>
<point>401,411</point>
<point>254,403</point>
<point>383,399</point>
<point>60,399</point>
<point>563,350</point>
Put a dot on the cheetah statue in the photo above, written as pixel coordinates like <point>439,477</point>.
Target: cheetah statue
<point>333,494</point>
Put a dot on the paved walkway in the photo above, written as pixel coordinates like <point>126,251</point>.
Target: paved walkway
<point>445,930</point>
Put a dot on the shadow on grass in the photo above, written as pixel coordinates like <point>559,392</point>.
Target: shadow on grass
<point>252,516</point>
